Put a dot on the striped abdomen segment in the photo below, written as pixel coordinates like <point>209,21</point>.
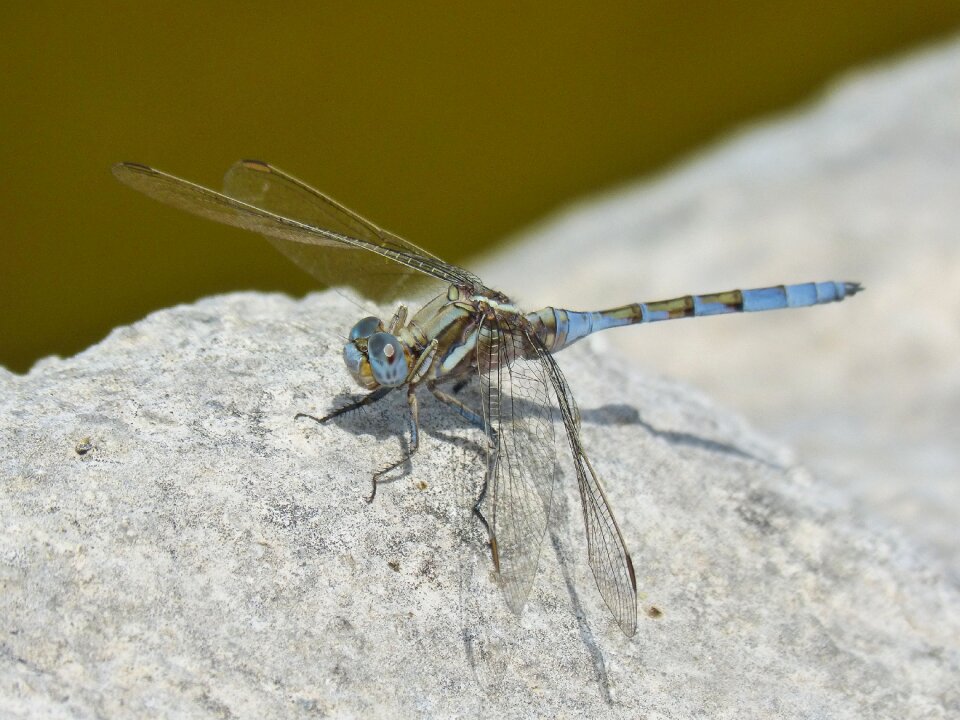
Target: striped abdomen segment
<point>560,328</point>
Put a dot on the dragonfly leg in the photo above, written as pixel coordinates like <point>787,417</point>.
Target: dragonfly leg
<point>414,443</point>
<point>365,400</point>
<point>472,416</point>
<point>424,362</point>
<point>399,320</point>
<point>492,460</point>
<point>475,418</point>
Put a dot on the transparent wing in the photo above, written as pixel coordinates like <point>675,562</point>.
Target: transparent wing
<point>521,463</point>
<point>611,563</point>
<point>269,188</point>
<point>334,244</point>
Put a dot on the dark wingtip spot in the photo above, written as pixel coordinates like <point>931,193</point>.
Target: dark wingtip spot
<point>119,168</point>
<point>258,165</point>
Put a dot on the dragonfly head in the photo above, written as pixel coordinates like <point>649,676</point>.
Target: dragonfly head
<point>374,357</point>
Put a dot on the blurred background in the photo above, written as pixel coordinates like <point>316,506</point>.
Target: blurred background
<point>450,127</point>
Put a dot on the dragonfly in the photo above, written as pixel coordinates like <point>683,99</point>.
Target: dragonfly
<point>467,331</point>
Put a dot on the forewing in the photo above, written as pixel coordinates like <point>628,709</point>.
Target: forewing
<point>611,563</point>
<point>269,188</point>
<point>521,463</point>
<point>380,269</point>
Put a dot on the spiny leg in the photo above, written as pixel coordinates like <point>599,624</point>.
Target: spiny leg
<point>398,321</point>
<point>474,418</point>
<point>414,443</point>
<point>416,373</point>
<point>494,458</point>
<point>464,410</point>
<point>365,400</point>
<point>424,362</point>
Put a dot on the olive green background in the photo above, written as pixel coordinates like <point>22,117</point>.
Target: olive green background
<point>451,127</point>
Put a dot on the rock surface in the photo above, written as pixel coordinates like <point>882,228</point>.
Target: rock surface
<point>175,544</point>
<point>861,186</point>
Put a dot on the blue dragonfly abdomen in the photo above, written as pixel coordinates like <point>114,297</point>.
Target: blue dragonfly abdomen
<point>558,328</point>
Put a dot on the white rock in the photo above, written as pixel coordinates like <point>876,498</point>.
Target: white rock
<point>175,544</point>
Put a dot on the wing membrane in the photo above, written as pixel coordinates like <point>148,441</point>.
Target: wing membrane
<point>521,464</point>
<point>335,245</point>
<point>609,559</point>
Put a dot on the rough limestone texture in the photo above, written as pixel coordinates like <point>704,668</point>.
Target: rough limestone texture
<point>174,544</point>
<point>863,185</point>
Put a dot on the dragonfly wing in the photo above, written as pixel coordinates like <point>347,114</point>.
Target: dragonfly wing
<point>521,463</point>
<point>265,186</point>
<point>381,270</point>
<point>609,559</point>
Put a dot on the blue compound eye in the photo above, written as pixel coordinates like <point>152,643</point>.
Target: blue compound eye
<point>352,357</point>
<point>387,359</point>
<point>365,328</point>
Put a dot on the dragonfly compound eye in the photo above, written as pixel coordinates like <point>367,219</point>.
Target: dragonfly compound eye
<point>387,359</point>
<point>354,359</point>
<point>365,328</point>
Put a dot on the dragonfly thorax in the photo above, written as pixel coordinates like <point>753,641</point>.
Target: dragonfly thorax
<point>374,357</point>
